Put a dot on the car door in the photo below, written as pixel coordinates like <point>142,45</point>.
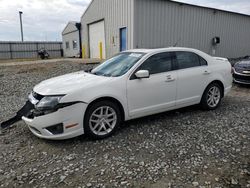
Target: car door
<point>156,93</point>
<point>193,73</point>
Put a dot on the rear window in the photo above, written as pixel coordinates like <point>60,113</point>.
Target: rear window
<point>203,62</point>
<point>188,60</point>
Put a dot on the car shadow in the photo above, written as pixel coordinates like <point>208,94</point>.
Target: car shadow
<point>242,86</point>
<point>139,122</point>
<point>161,116</point>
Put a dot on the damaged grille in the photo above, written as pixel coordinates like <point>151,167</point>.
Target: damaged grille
<point>34,113</point>
<point>34,98</point>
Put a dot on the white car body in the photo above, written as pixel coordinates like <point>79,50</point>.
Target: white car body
<point>139,97</point>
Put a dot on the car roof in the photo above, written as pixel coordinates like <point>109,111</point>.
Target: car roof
<point>162,49</point>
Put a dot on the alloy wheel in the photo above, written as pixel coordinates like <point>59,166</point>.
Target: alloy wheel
<point>103,120</point>
<point>213,96</point>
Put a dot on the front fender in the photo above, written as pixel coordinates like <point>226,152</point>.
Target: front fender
<point>116,90</point>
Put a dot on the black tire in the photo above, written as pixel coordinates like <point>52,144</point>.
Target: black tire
<point>87,124</point>
<point>204,101</point>
<point>42,56</point>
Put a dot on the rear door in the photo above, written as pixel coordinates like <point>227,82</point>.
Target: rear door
<point>193,75</point>
<point>156,93</point>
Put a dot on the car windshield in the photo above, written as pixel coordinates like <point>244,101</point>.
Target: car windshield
<point>118,65</point>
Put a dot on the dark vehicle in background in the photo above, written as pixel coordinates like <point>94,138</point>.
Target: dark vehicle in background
<point>241,73</point>
<point>43,53</point>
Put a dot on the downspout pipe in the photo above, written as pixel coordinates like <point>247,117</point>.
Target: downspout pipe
<point>79,27</point>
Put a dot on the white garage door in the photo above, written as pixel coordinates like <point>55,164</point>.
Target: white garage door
<point>97,35</point>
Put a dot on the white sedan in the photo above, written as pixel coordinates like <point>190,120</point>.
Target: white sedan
<point>130,85</point>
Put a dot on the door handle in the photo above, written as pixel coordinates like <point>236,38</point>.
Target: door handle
<point>207,72</point>
<point>170,79</point>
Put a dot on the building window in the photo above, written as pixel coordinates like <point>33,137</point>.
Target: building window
<point>74,44</point>
<point>67,45</point>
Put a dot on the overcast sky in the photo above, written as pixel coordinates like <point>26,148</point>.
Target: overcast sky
<point>45,19</point>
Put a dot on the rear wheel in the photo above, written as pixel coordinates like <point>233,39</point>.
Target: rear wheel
<point>211,98</point>
<point>101,120</point>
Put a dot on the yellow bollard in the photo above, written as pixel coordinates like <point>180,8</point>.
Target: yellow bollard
<point>100,48</point>
<point>83,52</point>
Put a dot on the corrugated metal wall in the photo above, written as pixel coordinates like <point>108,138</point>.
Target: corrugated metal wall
<point>23,50</point>
<point>161,23</point>
<point>116,14</point>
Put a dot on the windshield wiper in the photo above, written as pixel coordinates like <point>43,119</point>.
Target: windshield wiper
<point>107,75</point>
<point>89,70</point>
<point>101,74</point>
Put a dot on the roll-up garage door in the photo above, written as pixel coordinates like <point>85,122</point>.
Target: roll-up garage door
<point>97,35</point>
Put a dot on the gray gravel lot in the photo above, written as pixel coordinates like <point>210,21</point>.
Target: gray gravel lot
<point>182,148</point>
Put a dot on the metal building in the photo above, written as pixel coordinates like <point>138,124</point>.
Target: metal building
<point>72,39</point>
<point>111,26</point>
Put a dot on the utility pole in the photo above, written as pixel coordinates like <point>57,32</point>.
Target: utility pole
<point>21,24</point>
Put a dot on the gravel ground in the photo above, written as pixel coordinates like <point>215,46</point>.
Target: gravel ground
<point>182,148</point>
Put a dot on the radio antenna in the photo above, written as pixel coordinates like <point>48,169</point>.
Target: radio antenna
<point>177,42</point>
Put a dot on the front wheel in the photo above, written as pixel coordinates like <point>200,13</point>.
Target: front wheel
<point>211,98</point>
<point>101,119</point>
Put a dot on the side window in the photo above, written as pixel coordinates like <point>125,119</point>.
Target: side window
<point>158,63</point>
<point>203,62</point>
<point>74,42</point>
<point>187,60</point>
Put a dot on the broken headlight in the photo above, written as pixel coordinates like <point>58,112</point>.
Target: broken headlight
<point>48,103</point>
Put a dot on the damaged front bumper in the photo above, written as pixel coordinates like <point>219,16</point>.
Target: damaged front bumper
<point>23,111</point>
<point>63,124</point>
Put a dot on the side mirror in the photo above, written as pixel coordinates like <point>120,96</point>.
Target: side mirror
<point>142,74</point>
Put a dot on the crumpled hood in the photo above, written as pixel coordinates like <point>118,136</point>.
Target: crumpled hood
<point>69,83</point>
